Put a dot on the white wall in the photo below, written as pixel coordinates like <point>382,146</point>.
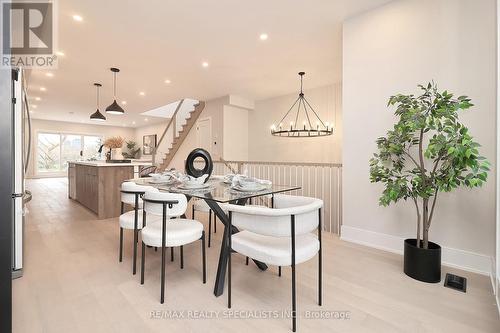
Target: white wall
<point>390,50</point>
<point>157,129</point>
<point>38,125</point>
<point>265,147</point>
<point>235,133</point>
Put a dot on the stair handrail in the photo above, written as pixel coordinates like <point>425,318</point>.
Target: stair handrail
<point>172,120</point>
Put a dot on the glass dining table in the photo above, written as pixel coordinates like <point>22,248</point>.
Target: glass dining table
<point>218,192</point>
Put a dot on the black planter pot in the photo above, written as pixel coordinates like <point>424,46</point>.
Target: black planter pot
<point>422,264</point>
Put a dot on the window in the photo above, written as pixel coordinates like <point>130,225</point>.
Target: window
<point>54,150</point>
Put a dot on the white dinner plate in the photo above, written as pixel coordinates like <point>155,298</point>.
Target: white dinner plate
<point>249,189</point>
<point>193,186</point>
<point>161,181</point>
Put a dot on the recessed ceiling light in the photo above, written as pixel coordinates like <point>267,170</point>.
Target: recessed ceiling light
<point>43,89</point>
<point>34,106</point>
<point>49,74</point>
<point>167,81</point>
<point>204,64</point>
<point>142,93</point>
<point>38,99</point>
<point>77,18</point>
<point>146,119</point>
<point>31,111</point>
<point>124,102</point>
<point>263,36</point>
<point>60,53</point>
<point>133,123</point>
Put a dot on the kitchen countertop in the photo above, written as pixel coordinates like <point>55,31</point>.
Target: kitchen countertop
<point>104,164</point>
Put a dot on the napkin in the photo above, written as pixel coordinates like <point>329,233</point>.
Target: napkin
<point>243,181</point>
<point>193,180</point>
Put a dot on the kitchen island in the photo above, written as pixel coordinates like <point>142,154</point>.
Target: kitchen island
<point>96,184</point>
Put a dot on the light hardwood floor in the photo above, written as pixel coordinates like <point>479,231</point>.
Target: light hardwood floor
<point>73,282</point>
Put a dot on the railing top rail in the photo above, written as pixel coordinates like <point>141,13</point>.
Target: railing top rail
<point>169,124</point>
<point>335,165</point>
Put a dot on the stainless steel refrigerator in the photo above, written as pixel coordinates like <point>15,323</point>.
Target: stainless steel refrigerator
<point>21,155</point>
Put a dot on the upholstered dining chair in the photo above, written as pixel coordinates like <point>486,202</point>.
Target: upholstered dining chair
<point>131,194</point>
<point>280,236</point>
<point>170,230</point>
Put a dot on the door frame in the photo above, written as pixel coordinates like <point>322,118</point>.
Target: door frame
<point>209,119</point>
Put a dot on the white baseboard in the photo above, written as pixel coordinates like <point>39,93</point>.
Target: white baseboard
<point>466,260</point>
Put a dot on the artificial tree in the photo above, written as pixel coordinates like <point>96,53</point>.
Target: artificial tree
<point>428,151</point>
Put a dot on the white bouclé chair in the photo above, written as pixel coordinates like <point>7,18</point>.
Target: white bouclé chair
<point>281,236</point>
<point>131,194</point>
<point>169,230</point>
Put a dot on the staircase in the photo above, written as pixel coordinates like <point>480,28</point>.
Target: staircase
<point>183,119</point>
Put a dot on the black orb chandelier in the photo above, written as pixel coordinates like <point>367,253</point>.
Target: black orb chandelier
<point>312,125</point>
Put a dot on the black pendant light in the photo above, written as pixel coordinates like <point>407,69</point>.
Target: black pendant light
<point>97,115</point>
<point>114,108</point>
<point>312,126</point>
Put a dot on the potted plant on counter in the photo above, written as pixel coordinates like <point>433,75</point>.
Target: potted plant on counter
<point>428,151</point>
<point>115,145</point>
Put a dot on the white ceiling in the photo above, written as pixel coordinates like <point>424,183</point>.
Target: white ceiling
<point>151,41</point>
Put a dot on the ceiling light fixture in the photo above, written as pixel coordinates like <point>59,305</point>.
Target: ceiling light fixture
<point>114,108</point>
<point>43,89</point>
<point>38,99</point>
<point>77,18</point>
<point>34,106</point>
<point>49,74</point>
<point>308,130</point>
<point>142,93</point>
<point>167,81</point>
<point>60,53</point>
<point>124,102</point>
<point>263,36</point>
<point>145,119</point>
<point>204,64</point>
<point>97,115</point>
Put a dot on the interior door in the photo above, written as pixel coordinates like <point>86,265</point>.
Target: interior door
<point>204,134</point>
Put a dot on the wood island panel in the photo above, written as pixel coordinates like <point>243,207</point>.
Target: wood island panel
<point>98,187</point>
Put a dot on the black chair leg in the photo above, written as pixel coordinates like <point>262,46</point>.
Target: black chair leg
<point>134,265</point>
<point>204,254</point>
<point>294,298</point>
<point>192,211</point>
<point>209,227</point>
<point>320,265</point>
<point>230,248</point>
<point>246,262</point>
<point>279,270</point>
<point>121,245</point>
<point>162,293</point>
<point>215,224</point>
<point>143,259</point>
<point>171,254</point>
<point>182,257</point>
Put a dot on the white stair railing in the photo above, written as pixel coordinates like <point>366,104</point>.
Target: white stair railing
<point>179,119</point>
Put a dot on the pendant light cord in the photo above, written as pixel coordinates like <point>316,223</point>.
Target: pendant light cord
<point>114,85</point>
<point>97,99</point>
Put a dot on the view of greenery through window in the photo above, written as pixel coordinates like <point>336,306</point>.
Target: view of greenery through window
<point>56,149</point>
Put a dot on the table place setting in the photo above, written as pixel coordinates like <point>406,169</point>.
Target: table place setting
<point>244,183</point>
